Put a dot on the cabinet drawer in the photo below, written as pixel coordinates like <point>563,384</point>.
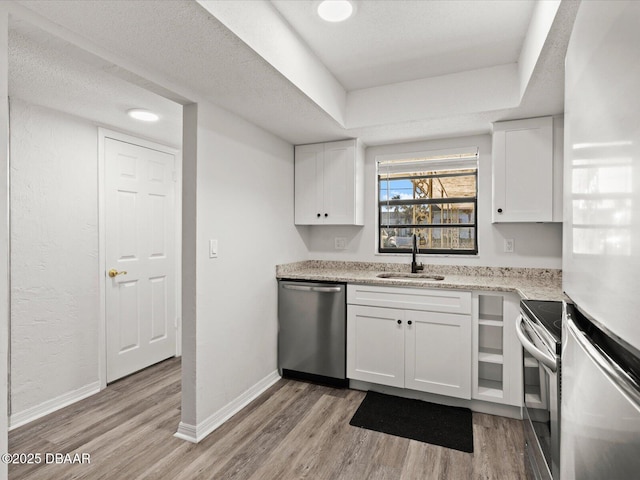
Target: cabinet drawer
<point>433,300</point>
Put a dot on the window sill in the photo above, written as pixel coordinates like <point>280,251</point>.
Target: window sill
<point>427,255</point>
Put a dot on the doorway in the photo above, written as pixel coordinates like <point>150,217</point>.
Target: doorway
<point>59,100</point>
<point>138,252</point>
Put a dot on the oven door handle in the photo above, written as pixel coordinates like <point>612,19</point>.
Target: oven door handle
<point>539,355</point>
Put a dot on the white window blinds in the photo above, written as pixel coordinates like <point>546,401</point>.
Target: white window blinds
<point>430,195</point>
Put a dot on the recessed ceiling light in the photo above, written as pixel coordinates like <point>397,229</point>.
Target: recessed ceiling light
<point>143,115</point>
<point>335,10</point>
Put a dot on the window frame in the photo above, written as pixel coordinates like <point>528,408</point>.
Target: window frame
<point>380,204</point>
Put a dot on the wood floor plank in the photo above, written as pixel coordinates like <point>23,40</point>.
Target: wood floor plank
<point>253,455</point>
<point>310,434</point>
<point>272,416</point>
<point>111,413</point>
<point>356,456</point>
<point>338,434</point>
<point>432,462</point>
<point>498,437</point>
<point>295,430</point>
<point>392,451</point>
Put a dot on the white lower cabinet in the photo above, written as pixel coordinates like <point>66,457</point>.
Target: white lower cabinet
<point>418,348</point>
<point>375,345</point>
<point>438,353</point>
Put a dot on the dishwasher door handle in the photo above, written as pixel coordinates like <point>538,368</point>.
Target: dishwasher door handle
<point>302,288</point>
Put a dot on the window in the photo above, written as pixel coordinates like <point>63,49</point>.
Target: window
<point>431,195</point>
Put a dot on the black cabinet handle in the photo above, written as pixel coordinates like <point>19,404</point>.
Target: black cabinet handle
<point>499,210</point>
<point>399,322</point>
<point>326,215</point>
<point>409,322</point>
<point>318,215</point>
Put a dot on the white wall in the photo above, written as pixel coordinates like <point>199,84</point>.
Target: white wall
<point>4,232</point>
<point>536,245</point>
<point>263,28</point>
<point>244,200</point>
<point>544,13</point>
<point>54,256</point>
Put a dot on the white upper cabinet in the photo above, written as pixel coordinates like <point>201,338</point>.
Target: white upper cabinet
<point>527,170</point>
<point>329,183</point>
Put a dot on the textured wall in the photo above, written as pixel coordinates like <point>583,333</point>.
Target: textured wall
<point>54,255</point>
<point>244,200</point>
<point>4,233</point>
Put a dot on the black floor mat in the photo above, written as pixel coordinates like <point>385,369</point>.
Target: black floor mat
<point>449,427</point>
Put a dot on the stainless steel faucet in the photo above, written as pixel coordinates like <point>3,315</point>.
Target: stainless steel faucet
<point>415,267</point>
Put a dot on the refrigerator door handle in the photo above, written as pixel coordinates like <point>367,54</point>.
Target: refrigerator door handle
<point>539,355</point>
<point>609,367</point>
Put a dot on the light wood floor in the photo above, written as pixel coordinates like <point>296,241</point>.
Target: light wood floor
<point>294,430</point>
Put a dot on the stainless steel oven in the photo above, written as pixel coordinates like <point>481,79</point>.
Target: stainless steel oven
<point>539,331</point>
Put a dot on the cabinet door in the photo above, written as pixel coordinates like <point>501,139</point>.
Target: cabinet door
<point>523,171</point>
<point>339,183</point>
<point>438,353</point>
<point>309,184</point>
<point>375,345</point>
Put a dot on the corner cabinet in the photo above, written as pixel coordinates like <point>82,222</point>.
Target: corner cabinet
<point>329,183</point>
<point>527,170</point>
<point>497,353</point>
<point>410,338</point>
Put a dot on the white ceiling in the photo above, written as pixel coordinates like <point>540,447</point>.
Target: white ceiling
<point>52,73</point>
<point>114,53</point>
<point>395,41</point>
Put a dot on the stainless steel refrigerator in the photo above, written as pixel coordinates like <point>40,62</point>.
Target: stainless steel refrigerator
<point>600,393</point>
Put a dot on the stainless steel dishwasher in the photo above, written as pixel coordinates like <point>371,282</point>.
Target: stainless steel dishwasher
<point>312,324</point>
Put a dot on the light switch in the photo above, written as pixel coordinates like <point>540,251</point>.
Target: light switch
<point>213,248</point>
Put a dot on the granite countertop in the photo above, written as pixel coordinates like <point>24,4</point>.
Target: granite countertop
<point>529,283</point>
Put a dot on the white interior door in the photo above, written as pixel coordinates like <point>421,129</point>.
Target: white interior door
<point>140,257</point>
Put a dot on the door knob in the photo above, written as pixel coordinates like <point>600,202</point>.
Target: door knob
<point>114,273</point>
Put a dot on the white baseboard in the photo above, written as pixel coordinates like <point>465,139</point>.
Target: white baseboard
<point>186,432</point>
<point>195,433</point>
<point>22,418</point>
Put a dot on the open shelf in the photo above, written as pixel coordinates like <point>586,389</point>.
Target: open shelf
<point>490,355</point>
<point>490,347</point>
<point>492,320</point>
<point>490,388</point>
<point>490,307</point>
<point>490,338</point>
<point>532,395</point>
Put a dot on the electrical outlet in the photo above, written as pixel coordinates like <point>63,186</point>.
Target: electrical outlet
<point>340,243</point>
<point>508,245</point>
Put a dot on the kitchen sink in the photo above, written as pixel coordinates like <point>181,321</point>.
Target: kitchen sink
<point>410,276</point>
